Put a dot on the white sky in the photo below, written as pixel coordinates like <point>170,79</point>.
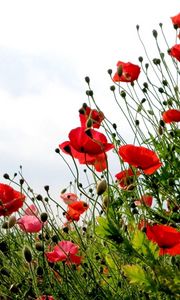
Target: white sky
<point>46,49</point>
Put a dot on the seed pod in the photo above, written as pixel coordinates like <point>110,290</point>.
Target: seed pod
<point>101,187</point>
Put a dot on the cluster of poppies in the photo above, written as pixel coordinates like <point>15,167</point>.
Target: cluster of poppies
<point>76,207</point>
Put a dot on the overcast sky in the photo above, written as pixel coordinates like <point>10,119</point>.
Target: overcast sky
<point>46,50</point>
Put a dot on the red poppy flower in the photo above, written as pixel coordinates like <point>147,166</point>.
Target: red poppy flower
<point>98,161</point>
<point>175,51</point>
<point>10,200</point>
<point>64,251</point>
<point>167,238</point>
<point>90,141</point>
<point>176,20</point>
<point>146,199</point>
<point>126,177</point>
<point>95,117</point>
<point>75,210</point>
<point>140,157</point>
<point>126,72</point>
<point>171,115</point>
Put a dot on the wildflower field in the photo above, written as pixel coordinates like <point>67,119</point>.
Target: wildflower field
<point>107,236</point>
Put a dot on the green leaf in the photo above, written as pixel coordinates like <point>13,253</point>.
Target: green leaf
<point>136,275</point>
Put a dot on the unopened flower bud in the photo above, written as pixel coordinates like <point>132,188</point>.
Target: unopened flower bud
<point>140,59</point>
<point>46,187</point>
<point>27,254</point>
<point>6,176</point>
<point>106,201</point>
<point>123,94</point>
<point>39,271</point>
<point>101,187</point>
<point>112,88</point>
<point>155,34</point>
<point>5,225</point>
<point>21,181</point>
<point>57,150</point>
<point>39,197</point>
<point>11,221</point>
<point>87,79</point>
<point>44,217</point>
<point>109,72</point>
<point>39,246</point>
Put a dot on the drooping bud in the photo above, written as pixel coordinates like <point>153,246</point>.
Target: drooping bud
<point>27,254</point>
<point>101,187</point>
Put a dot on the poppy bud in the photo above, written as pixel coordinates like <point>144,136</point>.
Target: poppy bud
<point>90,93</point>
<point>39,246</point>
<point>114,126</point>
<point>109,72</point>
<point>123,94</point>
<point>27,254</point>
<point>106,201</point>
<point>160,130</point>
<point>46,187</point>
<point>112,88</point>
<point>140,59</point>
<point>165,82</point>
<point>39,271</point>
<point>137,27</point>
<point>5,225</point>
<point>63,191</point>
<point>155,34</point>
<point>87,79</point>
<point>39,197</point>
<point>11,221</point>
<point>101,187</point>
<point>57,150</point>
<point>44,217</point>
<point>6,176</point>
<point>21,181</point>
<point>146,66</point>
<point>161,122</point>
<point>137,122</point>
<point>161,90</point>
<point>143,100</point>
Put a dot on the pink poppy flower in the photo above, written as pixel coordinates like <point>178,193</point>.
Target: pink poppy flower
<point>31,210</point>
<point>30,223</point>
<point>69,198</point>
